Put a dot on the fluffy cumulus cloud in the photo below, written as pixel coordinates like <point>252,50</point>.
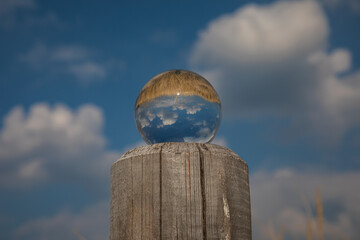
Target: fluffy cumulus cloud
<point>167,118</point>
<point>53,144</point>
<point>267,33</point>
<point>272,60</point>
<point>284,200</point>
<point>74,60</point>
<point>90,224</point>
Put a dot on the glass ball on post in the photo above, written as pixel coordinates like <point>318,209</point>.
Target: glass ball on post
<point>177,106</point>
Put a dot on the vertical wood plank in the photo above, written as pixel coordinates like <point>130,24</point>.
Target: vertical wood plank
<point>180,191</point>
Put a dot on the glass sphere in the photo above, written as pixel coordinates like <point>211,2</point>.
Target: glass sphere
<point>178,106</point>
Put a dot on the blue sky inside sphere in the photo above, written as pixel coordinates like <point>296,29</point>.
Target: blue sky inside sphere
<point>287,73</point>
<point>178,118</point>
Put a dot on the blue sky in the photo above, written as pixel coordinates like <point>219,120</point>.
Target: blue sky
<point>287,72</point>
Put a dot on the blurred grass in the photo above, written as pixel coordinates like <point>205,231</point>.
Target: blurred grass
<point>78,235</point>
<point>311,225</point>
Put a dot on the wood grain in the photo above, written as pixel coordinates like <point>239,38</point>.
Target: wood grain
<point>180,191</point>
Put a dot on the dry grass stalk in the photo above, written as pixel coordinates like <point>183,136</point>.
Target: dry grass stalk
<point>273,235</point>
<point>270,233</point>
<point>81,237</point>
<point>265,233</point>
<point>280,235</point>
<point>309,230</point>
<point>320,216</point>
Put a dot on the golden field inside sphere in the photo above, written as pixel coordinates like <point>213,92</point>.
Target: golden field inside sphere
<point>175,82</point>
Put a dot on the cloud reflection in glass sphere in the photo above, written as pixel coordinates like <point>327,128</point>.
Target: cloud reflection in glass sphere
<point>178,106</point>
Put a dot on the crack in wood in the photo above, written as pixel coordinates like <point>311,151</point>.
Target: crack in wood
<point>202,185</point>
<point>132,201</point>
<point>160,192</point>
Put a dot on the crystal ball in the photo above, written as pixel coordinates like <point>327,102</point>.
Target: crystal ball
<point>177,106</point>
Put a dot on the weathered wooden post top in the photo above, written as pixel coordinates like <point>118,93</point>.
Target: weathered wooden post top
<point>179,186</point>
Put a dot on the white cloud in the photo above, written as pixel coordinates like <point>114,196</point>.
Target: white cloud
<point>203,132</point>
<point>69,53</point>
<point>151,116</point>
<point>271,61</point>
<point>32,170</point>
<point>11,10</point>
<point>91,224</point>
<point>220,140</point>
<point>256,34</point>
<point>190,109</point>
<point>73,60</point>
<point>143,122</point>
<point>281,198</point>
<point>340,60</point>
<point>88,70</point>
<point>52,144</point>
<point>167,118</point>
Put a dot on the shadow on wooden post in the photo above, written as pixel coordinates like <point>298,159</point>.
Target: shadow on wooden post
<point>180,191</point>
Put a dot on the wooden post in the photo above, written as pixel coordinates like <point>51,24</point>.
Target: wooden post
<point>180,191</point>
